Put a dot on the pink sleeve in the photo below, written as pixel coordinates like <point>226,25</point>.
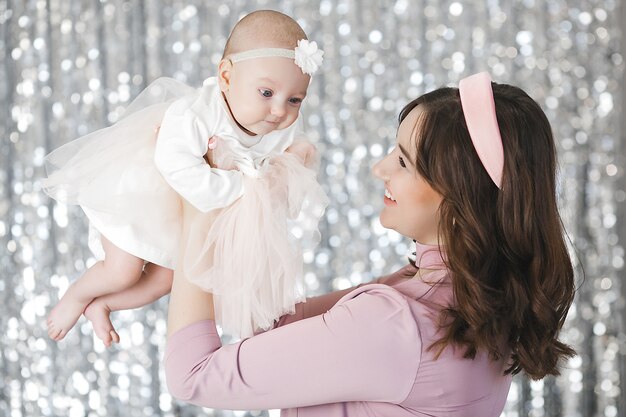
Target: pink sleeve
<point>321,304</point>
<point>314,306</point>
<point>366,348</point>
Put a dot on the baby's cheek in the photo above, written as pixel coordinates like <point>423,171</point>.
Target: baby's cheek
<point>290,120</point>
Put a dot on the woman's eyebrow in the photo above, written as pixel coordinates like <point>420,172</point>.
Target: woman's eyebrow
<point>405,152</point>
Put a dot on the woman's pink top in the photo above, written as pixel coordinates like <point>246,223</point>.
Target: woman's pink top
<point>356,352</point>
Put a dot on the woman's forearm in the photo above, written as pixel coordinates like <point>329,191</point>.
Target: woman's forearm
<point>290,367</point>
<point>188,304</point>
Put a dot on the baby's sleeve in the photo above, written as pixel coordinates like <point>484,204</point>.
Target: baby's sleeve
<point>181,145</point>
<point>365,348</point>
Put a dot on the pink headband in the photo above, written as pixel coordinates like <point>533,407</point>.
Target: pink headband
<point>479,110</point>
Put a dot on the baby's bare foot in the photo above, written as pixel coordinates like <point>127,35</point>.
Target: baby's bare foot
<point>64,316</point>
<point>98,314</point>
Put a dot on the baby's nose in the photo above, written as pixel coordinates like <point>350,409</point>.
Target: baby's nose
<point>278,110</point>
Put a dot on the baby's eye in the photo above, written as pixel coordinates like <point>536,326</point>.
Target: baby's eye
<point>402,164</point>
<point>295,100</point>
<point>265,92</point>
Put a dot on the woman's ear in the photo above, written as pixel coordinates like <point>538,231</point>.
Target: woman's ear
<point>223,73</point>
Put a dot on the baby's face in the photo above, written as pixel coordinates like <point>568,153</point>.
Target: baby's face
<point>265,94</point>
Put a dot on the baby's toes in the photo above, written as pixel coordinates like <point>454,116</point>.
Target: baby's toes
<point>106,339</point>
<point>54,333</point>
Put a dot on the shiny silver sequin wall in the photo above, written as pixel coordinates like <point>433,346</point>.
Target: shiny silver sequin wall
<point>70,67</point>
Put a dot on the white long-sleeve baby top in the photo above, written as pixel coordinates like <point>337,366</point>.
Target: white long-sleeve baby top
<point>183,140</point>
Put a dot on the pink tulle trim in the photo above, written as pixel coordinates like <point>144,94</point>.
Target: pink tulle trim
<point>249,255</point>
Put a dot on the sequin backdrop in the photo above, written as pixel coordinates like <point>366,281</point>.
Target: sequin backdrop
<point>69,67</point>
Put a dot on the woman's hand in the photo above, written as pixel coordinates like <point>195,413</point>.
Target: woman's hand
<point>208,156</point>
<point>217,155</point>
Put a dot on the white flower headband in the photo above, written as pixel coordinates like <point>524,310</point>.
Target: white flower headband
<point>306,55</point>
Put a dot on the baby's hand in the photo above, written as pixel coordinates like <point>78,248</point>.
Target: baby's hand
<point>304,150</point>
<point>218,157</point>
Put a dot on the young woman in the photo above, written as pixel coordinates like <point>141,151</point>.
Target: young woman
<point>472,180</point>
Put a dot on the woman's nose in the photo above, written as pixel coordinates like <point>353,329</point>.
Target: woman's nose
<point>378,169</point>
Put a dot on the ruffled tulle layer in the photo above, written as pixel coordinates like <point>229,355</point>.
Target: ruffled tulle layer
<point>110,173</point>
<point>251,257</point>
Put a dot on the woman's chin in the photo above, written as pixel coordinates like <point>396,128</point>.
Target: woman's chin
<point>388,223</point>
<point>385,221</point>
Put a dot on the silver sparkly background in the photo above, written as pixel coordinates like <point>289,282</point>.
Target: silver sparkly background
<point>70,67</point>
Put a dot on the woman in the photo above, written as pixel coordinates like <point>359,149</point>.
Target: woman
<point>472,179</point>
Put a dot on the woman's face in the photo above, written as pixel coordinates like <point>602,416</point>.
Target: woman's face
<point>411,205</point>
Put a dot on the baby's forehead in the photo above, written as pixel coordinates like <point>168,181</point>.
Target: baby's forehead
<point>264,29</point>
<point>250,41</point>
<point>273,72</point>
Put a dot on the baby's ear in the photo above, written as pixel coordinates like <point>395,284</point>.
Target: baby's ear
<point>223,73</point>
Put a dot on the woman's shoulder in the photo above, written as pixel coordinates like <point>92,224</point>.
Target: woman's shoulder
<point>433,289</point>
<point>401,297</point>
<point>373,291</point>
<point>407,309</point>
<point>382,286</point>
<point>382,303</point>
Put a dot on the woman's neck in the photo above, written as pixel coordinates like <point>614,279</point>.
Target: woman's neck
<point>429,257</point>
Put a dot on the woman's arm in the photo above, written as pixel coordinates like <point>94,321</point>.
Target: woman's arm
<point>365,348</point>
<point>315,306</point>
<point>188,304</point>
<point>320,304</point>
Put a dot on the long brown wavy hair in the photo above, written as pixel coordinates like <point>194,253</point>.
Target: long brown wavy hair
<point>512,276</point>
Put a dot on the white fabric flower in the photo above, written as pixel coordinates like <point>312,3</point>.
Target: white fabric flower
<point>308,56</point>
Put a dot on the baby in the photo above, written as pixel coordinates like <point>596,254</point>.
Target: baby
<point>235,152</point>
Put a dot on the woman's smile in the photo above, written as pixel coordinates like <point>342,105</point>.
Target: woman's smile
<point>389,200</point>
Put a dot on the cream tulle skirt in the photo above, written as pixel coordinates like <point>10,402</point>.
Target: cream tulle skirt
<point>249,254</point>
<point>110,173</point>
<point>251,257</point>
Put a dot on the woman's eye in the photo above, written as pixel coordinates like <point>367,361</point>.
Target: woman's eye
<point>402,164</point>
<point>266,93</point>
<point>295,100</point>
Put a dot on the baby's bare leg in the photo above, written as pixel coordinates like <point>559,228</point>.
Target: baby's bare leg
<point>155,282</point>
<point>117,271</point>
